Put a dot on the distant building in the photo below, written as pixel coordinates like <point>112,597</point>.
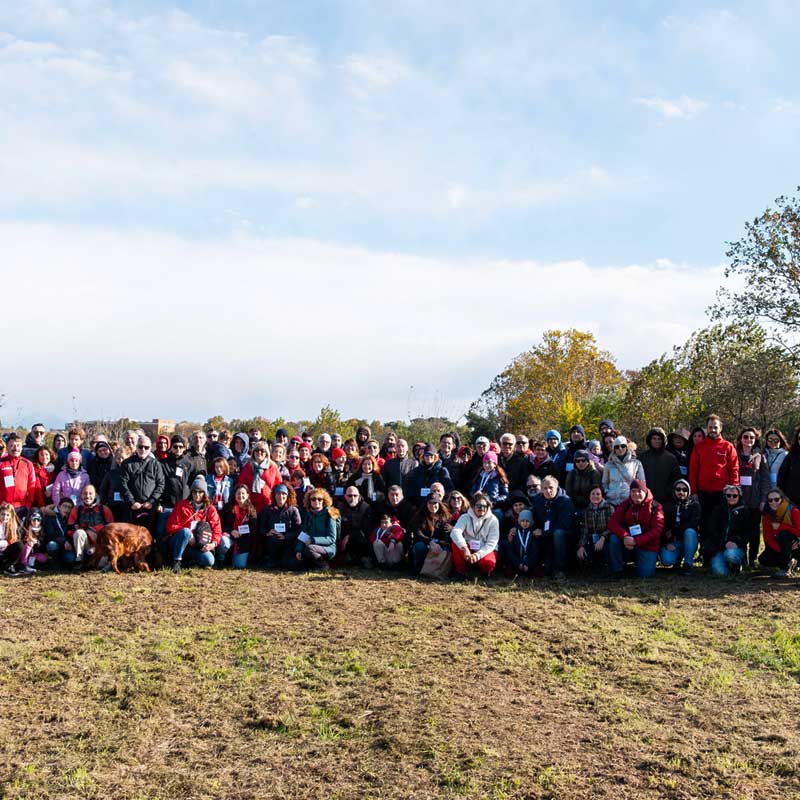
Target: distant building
<point>152,428</point>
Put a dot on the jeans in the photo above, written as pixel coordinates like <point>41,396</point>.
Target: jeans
<point>555,548</point>
<point>179,547</point>
<point>221,550</point>
<point>418,553</point>
<point>727,561</point>
<point>617,554</point>
<point>685,549</point>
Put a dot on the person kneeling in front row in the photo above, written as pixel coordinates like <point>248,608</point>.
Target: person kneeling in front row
<point>636,527</point>
<point>475,536</point>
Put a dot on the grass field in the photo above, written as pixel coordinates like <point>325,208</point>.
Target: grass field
<point>352,685</point>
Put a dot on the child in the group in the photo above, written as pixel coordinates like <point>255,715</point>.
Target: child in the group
<point>524,550</point>
<point>387,542</point>
<point>55,529</point>
<point>11,544</point>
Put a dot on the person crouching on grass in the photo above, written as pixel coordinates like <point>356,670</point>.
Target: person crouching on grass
<point>474,538</point>
<point>636,527</point>
<point>316,543</point>
<point>85,522</point>
<point>194,528</point>
<point>781,529</point>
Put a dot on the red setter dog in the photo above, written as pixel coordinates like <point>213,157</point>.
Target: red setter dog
<point>121,539</point>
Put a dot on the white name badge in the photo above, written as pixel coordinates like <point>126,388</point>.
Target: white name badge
<point>243,529</point>
<point>339,492</point>
<point>280,527</point>
<point>422,492</point>
<point>547,526</point>
<point>8,480</point>
<point>192,525</point>
<point>117,497</point>
<point>474,544</point>
<point>304,538</point>
<point>570,466</point>
<point>746,480</point>
<point>635,530</point>
<point>178,472</point>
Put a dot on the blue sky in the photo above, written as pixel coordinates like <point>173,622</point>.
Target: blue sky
<point>400,172</point>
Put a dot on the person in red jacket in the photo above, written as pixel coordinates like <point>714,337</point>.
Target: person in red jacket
<point>714,464</point>
<point>17,478</point>
<point>194,528</point>
<point>84,523</point>
<point>260,475</point>
<point>780,525</point>
<point>636,527</point>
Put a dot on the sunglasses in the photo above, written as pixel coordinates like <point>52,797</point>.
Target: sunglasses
<point>143,447</point>
<point>480,505</point>
<point>732,494</point>
<point>681,490</point>
<point>620,447</point>
<point>773,500</point>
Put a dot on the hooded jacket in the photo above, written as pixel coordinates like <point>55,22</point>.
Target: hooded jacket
<point>559,512</point>
<point>681,454</point>
<point>754,477</point>
<point>559,454</point>
<point>241,458</point>
<point>649,516</point>
<point>661,468</point>
<point>618,474</point>
<point>177,474</point>
<point>681,515</point>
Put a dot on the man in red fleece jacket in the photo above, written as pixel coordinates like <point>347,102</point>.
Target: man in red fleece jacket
<point>713,466</point>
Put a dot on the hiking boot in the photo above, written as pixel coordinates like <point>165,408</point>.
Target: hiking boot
<point>558,575</point>
<point>176,566</point>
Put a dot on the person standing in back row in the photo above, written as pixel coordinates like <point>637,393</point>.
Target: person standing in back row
<point>714,464</point>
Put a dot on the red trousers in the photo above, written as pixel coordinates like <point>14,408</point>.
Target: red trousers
<point>486,565</point>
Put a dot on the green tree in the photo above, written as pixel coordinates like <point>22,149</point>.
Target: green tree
<point>530,393</point>
<point>328,421</point>
<point>765,263</point>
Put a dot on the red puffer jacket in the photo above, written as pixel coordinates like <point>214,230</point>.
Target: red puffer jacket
<point>650,515</point>
<point>17,481</point>
<point>771,535</point>
<point>183,515</point>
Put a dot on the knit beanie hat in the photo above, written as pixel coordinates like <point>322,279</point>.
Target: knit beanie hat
<point>490,456</point>
<point>337,452</point>
<point>527,514</point>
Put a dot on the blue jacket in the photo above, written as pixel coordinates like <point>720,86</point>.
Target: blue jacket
<point>559,512</point>
<point>227,488</point>
<point>422,477</point>
<point>496,491</point>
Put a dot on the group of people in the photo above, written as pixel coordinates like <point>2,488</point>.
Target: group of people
<point>525,507</point>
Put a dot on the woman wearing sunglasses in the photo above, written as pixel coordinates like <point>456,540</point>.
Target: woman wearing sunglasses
<point>727,534</point>
<point>681,527</point>
<point>621,468</point>
<point>474,538</point>
<point>781,528</point>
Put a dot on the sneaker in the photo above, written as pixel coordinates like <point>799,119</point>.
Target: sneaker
<point>366,563</point>
<point>176,566</point>
<point>26,570</point>
<point>558,575</point>
<point>11,572</point>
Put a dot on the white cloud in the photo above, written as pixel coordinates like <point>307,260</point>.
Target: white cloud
<point>683,107</point>
<point>140,290</point>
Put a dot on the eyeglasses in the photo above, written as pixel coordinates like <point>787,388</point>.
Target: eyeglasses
<point>178,447</point>
<point>292,457</point>
<point>581,461</point>
<point>316,500</point>
<point>681,490</point>
<point>38,433</point>
<point>620,447</point>
<point>748,436</point>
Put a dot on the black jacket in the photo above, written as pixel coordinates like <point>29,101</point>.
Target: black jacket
<point>356,520</point>
<point>141,479</point>
<point>177,480</point>
<point>517,468</point>
<point>726,525</point>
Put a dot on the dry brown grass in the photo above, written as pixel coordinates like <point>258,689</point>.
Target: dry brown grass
<point>253,684</point>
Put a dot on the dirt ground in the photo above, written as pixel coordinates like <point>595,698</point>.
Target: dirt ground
<point>357,685</point>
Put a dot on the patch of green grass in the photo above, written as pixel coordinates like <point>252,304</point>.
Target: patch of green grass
<point>781,651</point>
<point>53,594</point>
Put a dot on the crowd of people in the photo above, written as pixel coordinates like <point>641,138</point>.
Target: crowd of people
<point>519,506</point>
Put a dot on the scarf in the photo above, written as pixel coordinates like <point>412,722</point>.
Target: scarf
<point>73,473</point>
<point>258,479</point>
<point>783,513</point>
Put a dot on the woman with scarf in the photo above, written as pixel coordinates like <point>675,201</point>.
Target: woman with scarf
<point>775,452</point>
<point>367,478</point>
<point>239,529</point>
<point>194,528</point>
<point>755,483</point>
<point>474,538</point>
<point>45,469</point>
<point>727,534</point>
<point>71,480</point>
<point>220,484</point>
<point>260,475</point>
<point>493,483</point>
<point>781,529</point>
<point>321,474</point>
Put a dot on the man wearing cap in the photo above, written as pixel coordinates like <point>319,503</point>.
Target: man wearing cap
<point>636,527</point>
<point>177,480</point>
<point>429,471</point>
<point>142,484</point>
<point>577,441</point>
